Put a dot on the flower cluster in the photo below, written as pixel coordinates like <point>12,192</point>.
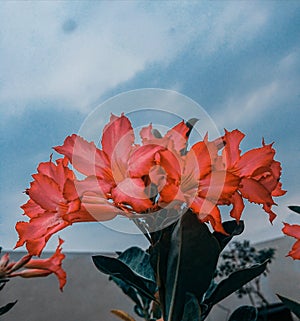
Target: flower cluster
<point>124,178</point>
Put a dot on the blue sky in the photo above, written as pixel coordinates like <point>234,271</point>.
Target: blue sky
<point>59,60</point>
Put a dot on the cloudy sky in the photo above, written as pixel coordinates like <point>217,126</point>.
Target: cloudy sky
<point>59,60</point>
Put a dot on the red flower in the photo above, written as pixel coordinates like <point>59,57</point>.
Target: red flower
<point>125,170</point>
<point>35,267</point>
<point>294,231</point>
<point>109,166</point>
<point>202,186</point>
<point>258,171</point>
<point>55,203</point>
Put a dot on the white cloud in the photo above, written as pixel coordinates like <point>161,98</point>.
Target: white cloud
<point>39,60</point>
<point>280,86</point>
<point>105,44</point>
<point>235,25</point>
<point>242,109</point>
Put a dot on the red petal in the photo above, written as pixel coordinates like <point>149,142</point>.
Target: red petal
<point>171,164</point>
<point>295,251</point>
<point>85,157</point>
<point>80,214</point>
<point>231,152</point>
<point>59,173</point>
<point>146,134</point>
<point>45,192</point>
<point>190,177</point>
<point>69,191</point>
<point>117,143</point>
<point>170,193</point>
<point>37,232</point>
<point>268,210</point>
<point>142,160</point>
<point>278,191</point>
<point>52,264</point>
<point>292,230</point>
<point>208,212</point>
<point>255,192</point>
<point>74,206</point>
<point>178,134</point>
<point>205,153</point>
<point>158,176</point>
<point>93,184</point>
<point>4,262</point>
<point>218,185</point>
<point>238,206</point>
<point>118,130</point>
<point>132,192</point>
<point>31,209</point>
<point>271,182</point>
<point>97,209</point>
<point>31,273</point>
<point>254,159</point>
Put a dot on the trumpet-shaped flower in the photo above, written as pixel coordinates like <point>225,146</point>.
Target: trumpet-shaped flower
<point>258,171</point>
<point>55,203</point>
<point>35,267</point>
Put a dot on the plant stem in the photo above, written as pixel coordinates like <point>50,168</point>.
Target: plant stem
<point>250,296</point>
<point>258,292</point>
<point>142,229</point>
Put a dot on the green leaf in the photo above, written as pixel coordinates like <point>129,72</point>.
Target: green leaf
<point>120,270</point>
<point>235,281</point>
<point>7,307</point>
<point>244,313</point>
<point>129,290</point>
<point>295,208</point>
<point>191,263</point>
<point>139,311</point>
<point>139,261</point>
<point>191,310</point>
<point>159,260</point>
<point>290,304</point>
<point>232,228</point>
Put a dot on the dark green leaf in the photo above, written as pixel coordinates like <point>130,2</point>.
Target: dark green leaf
<point>139,311</point>
<point>244,313</point>
<point>295,208</point>
<point>7,307</point>
<point>191,310</point>
<point>290,304</point>
<point>235,281</point>
<point>120,270</point>
<point>190,124</point>
<point>159,261</point>
<point>192,260</point>
<point>156,133</point>
<point>139,261</point>
<point>210,289</point>
<point>232,228</point>
<point>127,289</point>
